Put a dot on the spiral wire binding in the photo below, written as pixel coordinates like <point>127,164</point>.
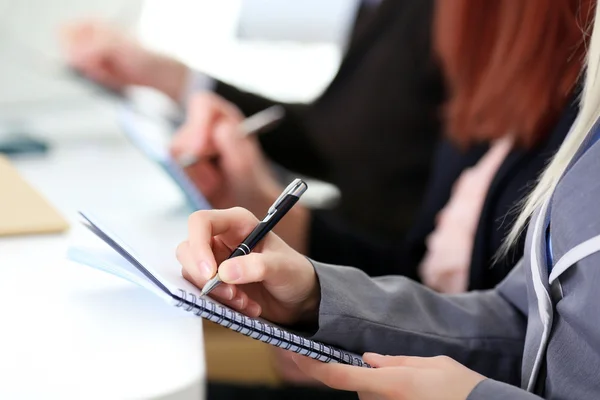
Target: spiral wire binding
<point>264,332</point>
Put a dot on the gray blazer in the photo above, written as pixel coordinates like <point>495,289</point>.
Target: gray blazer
<point>534,330</point>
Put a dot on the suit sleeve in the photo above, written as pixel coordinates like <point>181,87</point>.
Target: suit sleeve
<point>396,316</point>
<point>494,390</point>
<point>289,143</point>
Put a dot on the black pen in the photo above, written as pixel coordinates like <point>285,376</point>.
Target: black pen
<point>278,210</point>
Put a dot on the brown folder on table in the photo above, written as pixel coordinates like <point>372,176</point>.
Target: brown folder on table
<point>22,209</point>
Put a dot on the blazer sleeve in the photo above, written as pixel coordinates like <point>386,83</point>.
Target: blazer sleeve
<point>396,316</point>
<point>289,143</point>
<point>493,390</point>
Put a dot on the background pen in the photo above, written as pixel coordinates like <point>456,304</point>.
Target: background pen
<point>277,211</point>
<point>253,125</point>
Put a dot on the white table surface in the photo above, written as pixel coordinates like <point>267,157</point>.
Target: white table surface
<point>68,331</point>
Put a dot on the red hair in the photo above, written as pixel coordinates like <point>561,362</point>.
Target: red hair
<point>510,65</point>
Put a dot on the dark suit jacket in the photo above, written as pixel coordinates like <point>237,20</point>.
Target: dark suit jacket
<point>373,131</point>
<point>510,185</point>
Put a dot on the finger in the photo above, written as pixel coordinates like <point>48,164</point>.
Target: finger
<point>194,275</point>
<point>240,302</point>
<point>381,361</point>
<point>221,250</point>
<point>239,153</point>
<point>253,268</point>
<point>231,296</point>
<point>184,256</point>
<point>190,141</point>
<point>341,376</point>
<point>227,294</point>
<point>251,307</point>
<point>104,77</point>
<point>194,138</point>
<point>206,177</point>
<point>204,225</point>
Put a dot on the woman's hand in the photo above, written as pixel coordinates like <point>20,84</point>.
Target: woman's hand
<point>115,60</point>
<point>397,378</point>
<point>288,371</point>
<point>232,170</point>
<point>274,281</point>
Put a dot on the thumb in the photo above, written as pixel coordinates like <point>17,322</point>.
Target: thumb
<point>253,268</point>
<point>183,142</point>
<point>230,144</point>
<point>191,140</point>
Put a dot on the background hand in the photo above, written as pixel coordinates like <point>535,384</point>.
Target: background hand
<point>397,378</point>
<point>232,170</point>
<point>115,60</point>
<point>274,281</point>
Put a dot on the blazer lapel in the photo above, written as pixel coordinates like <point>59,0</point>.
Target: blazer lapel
<point>570,244</point>
<point>514,164</point>
<point>480,262</point>
<point>539,276</point>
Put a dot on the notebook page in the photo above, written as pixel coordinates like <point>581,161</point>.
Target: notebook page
<point>155,259</point>
<point>149,136</point>
<point>190,299</point>
<point>107,260</point>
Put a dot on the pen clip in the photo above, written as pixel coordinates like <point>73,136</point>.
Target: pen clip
<point>296,188</point>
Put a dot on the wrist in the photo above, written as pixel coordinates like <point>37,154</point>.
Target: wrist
<point>308,315</point>
<point>169,76</point>
<point>310,310</point>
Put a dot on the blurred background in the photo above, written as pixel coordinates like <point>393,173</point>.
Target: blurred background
<point>292,60</point>
<point>71,148</point>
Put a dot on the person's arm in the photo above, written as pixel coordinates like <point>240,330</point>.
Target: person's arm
<point>490,389</point>
<point>289,143</point>
<point>392,315</point>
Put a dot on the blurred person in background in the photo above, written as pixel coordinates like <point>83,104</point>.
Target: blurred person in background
<point>512,83</point>
<point>338,138</point>
<point>535,336</point>
<point>511,75</point>
<point>503,118</point>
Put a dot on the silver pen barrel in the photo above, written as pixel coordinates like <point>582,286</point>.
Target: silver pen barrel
<point>211,284</point>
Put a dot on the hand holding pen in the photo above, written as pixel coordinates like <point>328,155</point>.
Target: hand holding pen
<point>207,116</point>
<point>276,212</point>
<point>216,148</point>
<point>255,124</point>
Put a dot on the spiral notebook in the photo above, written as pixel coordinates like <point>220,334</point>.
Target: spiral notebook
<point>166,282</point>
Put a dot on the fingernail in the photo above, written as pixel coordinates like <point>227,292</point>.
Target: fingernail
<point>206,270</point>
<point>239,302</point>
<point>253,310</point>
<point>224,292</point>
<point>231,273</point>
